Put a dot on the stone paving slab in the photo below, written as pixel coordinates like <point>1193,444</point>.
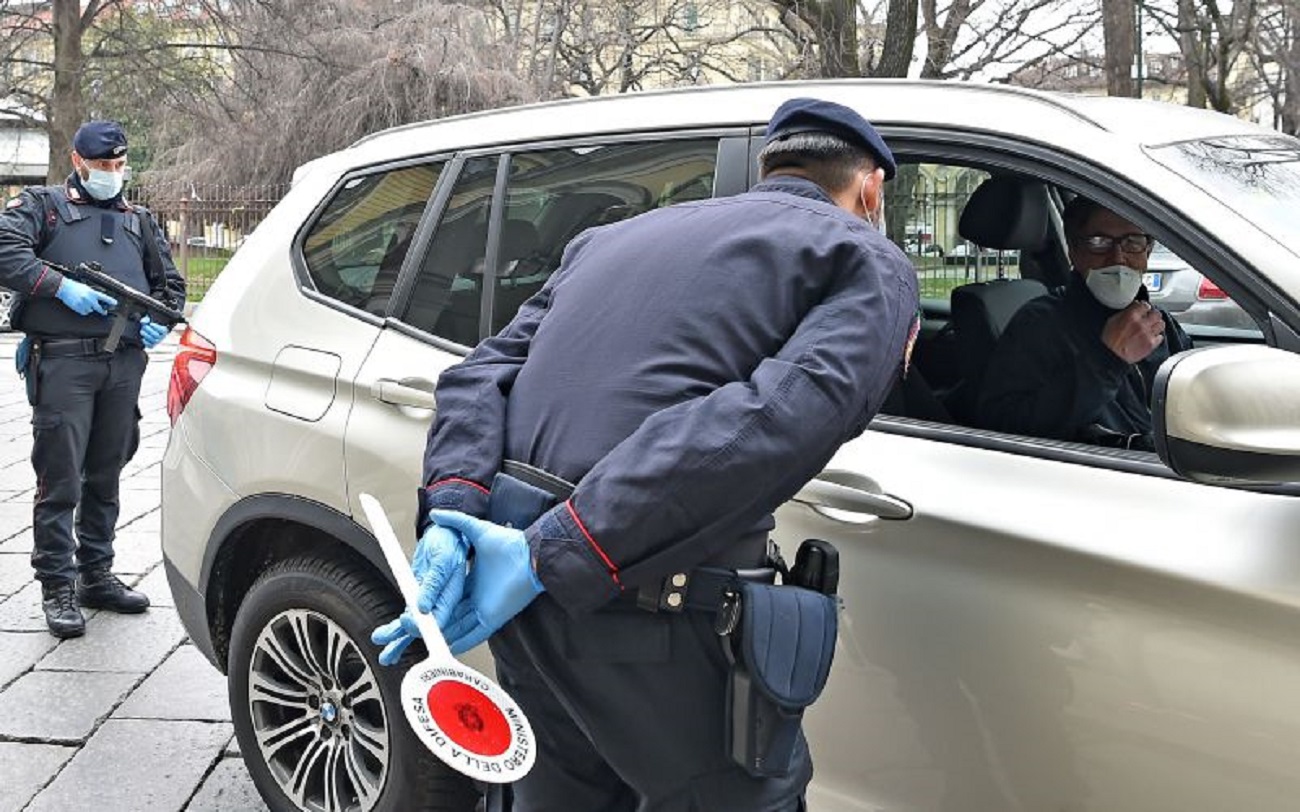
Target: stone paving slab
<point>20,542</point>
<point>25,768</point>
<point>185,686</point>
<point>227,789</point>
<point>125,643</point>
<point>19,651</point>
<point>60,706</point>
<point>21,611</point>
<point>17,514</point>
<point>136,553</point>
<point>155,586</point>
<point>168,760</point>
<point>15,572</point>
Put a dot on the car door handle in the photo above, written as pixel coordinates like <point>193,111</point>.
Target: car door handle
<point>401,394</point>
<point>853,492</point>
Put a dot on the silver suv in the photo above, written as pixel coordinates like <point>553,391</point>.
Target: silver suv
<point>1027,623</point>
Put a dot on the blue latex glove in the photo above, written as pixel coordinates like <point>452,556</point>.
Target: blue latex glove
<point>150,333</point>
<point>83,299</point>
<point>501,582</point>
<point>439,564</point>
<point>394,636</point>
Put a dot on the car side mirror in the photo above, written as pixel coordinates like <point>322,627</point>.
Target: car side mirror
<point>1229,415</point>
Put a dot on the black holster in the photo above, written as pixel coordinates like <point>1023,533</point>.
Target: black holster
<point>781,643</point>
<point>30,372</point>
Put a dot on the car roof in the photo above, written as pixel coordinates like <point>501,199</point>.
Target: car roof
<point>1034,115</point>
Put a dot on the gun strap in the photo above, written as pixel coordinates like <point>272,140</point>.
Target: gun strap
<point>153,265</point>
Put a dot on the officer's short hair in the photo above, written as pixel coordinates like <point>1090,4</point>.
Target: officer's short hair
<point>827,160</point>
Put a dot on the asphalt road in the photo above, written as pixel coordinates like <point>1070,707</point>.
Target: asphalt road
<point>130,717</point>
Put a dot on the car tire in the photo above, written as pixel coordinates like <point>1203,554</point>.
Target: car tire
<point>301,638</point>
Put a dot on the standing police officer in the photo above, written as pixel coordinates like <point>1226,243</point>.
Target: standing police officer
<point>690,369</point>
<point>85,420</point>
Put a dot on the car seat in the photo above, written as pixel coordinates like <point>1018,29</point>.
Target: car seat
<point>1004,213</point>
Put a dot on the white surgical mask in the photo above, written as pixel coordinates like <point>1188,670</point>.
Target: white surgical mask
<point>102,184</point>
<point>1115,286</point>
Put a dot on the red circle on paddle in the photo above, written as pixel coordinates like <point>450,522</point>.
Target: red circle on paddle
<point>469,718</point>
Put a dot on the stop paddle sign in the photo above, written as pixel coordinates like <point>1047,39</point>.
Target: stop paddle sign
<point>461,715</point>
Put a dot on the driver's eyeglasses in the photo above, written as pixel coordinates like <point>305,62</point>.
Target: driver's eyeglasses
<point>1128,243</point>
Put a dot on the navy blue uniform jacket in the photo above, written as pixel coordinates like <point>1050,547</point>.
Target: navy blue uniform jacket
<point>1050,375</point>
<point>62,225</point>
<point>690,369</point>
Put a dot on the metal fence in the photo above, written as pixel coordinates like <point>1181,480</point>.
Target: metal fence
<point>205,223</point>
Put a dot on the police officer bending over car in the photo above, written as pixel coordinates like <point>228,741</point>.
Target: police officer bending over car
<point>1080,366</point>
<point>689,369</point>
<point>85,423</point>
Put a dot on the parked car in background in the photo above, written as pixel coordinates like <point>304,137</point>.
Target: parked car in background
<point>1189,295</point>
<point>1027,624</point>
<point>6,299</point>
<point>966,253</point>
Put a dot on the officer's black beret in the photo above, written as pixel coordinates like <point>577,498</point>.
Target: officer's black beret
<point>815,115</point>
<point>100,139</point>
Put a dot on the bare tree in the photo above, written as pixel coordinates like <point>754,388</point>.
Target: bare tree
<point>828,29</point>
<point>969,38</point>
<point>1119,31</point>
<point>312,77</point>
<point>1214,42</point>
<point>601,46</point>
<point>1275,58</point>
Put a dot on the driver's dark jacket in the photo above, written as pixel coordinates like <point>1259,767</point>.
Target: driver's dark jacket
<point>1051,376</point>
<point>65,226</point>
<point>690,369</point>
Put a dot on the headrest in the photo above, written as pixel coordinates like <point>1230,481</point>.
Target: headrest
<point>518,239</point>
<point>1007,212</point>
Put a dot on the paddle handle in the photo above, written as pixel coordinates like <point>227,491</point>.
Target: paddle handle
<point>406,583</point>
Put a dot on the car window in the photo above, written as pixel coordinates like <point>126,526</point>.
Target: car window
<point>446,299</point>
<point>923,207</point>
<point>356,246</point>
<point>1190,296</point>
<point>554,194</point>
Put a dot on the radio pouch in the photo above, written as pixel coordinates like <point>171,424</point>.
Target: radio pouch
<point>515,503</point>
<point>782,648</point>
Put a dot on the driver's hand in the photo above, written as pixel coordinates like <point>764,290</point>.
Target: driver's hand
<point>1134,332</point>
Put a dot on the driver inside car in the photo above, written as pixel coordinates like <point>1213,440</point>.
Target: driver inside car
<point>1079,366</point>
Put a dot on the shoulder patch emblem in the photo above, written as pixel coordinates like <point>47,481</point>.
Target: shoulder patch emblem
<point>14,203</point>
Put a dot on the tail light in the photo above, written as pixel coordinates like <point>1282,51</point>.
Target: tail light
<point>194,358</point>
<point>1209,290</point>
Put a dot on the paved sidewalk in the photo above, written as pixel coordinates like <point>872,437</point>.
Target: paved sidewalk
<point>130,717</point>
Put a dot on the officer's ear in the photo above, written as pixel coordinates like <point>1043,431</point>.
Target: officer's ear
<point>872,192</point>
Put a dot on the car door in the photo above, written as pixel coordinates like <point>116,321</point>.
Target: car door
<point>1051,626</point>
<point>503,219</point>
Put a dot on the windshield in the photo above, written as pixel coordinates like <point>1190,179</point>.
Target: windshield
<point>1258,175</point>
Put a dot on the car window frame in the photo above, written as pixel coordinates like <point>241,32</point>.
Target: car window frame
<point>940,145</point>
<point>297,254</point>
<point>728,179</point>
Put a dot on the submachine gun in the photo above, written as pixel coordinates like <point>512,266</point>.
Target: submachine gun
<point>131,303</point>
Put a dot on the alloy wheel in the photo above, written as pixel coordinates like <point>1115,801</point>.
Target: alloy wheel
<point>317,713</point>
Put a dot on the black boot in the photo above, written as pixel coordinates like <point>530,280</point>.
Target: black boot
<point>101,589</point>
<point>59,601</point>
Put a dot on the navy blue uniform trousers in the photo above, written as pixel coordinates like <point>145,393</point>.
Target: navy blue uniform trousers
<point>85,427</point>
<point>624,699</point>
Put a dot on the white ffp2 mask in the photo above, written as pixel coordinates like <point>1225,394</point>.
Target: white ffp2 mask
<point>1115,286</point>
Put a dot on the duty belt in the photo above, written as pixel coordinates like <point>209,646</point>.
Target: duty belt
<point>68,347</point>
<point>700,589</point>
